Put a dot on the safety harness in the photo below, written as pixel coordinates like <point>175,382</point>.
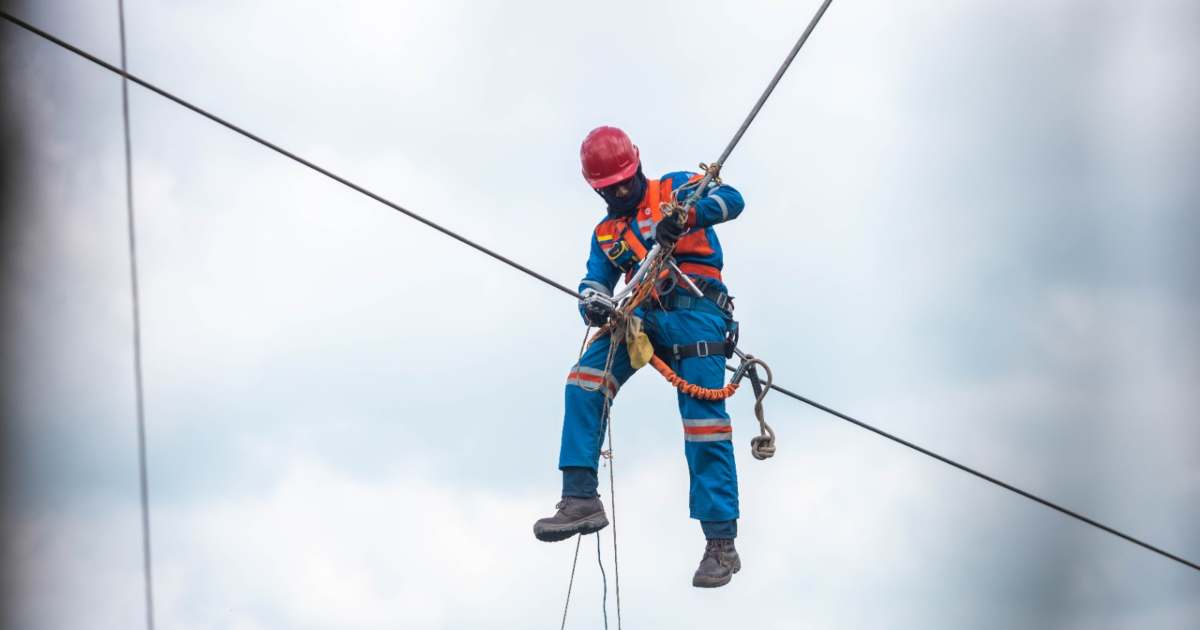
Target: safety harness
<point>625,251</point>
<point>676,299</point>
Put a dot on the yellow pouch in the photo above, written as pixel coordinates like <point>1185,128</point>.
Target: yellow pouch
<point>638,343</point>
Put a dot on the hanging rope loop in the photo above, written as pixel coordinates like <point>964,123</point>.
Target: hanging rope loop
<point>762,446</point>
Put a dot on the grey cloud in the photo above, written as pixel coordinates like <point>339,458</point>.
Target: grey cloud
<point>966,224</point>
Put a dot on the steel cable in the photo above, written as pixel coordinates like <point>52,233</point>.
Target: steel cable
<point>967,469</point>
<point>139,390</point>
<point>288,154</point>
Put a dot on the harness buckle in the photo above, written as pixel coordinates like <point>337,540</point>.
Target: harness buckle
<point>617,250</point>
<point>702,348</point>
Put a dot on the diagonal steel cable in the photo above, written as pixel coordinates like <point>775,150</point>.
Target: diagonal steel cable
<point>288,154</point>
<point>139,389</point>
<point>575,294</point>
<point>787,62</point>
<point>967,469</point>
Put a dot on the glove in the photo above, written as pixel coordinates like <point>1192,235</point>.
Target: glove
<point>595,307</point>
<point>667,232</point>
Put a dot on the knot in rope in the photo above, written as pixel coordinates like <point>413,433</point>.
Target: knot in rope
<point>762,446</point>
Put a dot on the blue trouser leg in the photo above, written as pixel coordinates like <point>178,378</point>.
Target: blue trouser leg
<point>713,497</point>
<point>707,429</point>
<point>719,529</point>
<point>583,428</point>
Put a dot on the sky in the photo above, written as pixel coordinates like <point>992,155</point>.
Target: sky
<point>970,224</point>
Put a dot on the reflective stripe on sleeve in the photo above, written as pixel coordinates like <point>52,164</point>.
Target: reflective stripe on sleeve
<point>721,202</point>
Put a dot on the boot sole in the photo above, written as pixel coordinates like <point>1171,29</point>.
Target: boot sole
<point>707,582</point>
<point>586,525</point>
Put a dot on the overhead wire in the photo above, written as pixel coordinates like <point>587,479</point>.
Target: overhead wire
<point>990,479</point>
<point>762,99</point>
<point>164,93</point>
<point>139,389</point>
<point>288,154</point>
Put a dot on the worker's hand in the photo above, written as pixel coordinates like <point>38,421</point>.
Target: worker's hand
<point>595,307</point>
<point>667,231</point>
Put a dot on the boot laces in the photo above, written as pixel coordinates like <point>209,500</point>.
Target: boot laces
<point>714,547</point>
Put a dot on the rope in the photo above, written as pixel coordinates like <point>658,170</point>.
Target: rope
<point>612,484</point>
<point>562,288</point>
<point>288,154</point>
<point>607,454</point>
<point>139,390</point>
<point>570,583</point>
<point>763,446</point>
<point>604,579</point>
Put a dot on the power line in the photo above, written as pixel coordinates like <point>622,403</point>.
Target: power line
<point>284,152</point>
<point>143,475</point>
<point>774,81</point>
<point>967,469</point>
<point>564,289</point>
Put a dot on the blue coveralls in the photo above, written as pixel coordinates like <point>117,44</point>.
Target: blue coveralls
<point>713,497</point>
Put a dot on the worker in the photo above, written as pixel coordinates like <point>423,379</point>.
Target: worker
<point>690,333</point>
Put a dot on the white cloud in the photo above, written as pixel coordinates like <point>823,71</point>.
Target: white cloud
<point>353,420</point>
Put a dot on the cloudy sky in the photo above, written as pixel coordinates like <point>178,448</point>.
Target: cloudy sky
<point>971,224</point>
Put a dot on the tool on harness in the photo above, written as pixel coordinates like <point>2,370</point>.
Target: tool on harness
<point>597,307</point>
<point>621,254</point>
<point>615,252</point>
<point>637,342</point>
<point>679,275</point>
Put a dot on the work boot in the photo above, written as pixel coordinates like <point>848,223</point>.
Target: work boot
<point>718,565</point>
<point>576,515</point>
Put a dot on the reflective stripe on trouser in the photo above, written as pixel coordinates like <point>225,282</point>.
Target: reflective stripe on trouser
<point>706,428</point>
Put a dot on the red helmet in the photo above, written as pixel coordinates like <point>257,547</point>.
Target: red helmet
<point>608,156</point>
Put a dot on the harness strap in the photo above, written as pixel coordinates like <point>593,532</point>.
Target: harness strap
<point>629,237</point>
<point>678,299</point>
<point>703,348</point>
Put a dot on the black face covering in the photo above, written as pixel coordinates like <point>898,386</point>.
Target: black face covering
<point>618,206</point>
